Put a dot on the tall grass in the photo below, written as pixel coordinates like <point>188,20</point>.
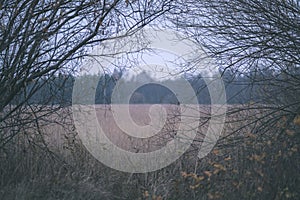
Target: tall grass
<point>52,163</point>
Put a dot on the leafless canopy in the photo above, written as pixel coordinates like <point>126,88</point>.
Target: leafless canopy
<point>40,39</point>
<point>256,38</point>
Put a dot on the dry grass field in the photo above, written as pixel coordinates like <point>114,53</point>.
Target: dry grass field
<point>52,163</point>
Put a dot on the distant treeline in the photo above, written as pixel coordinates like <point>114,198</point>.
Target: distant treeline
<point>58,89</point>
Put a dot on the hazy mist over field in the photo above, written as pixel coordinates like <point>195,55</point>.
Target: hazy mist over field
<point>150,99</point>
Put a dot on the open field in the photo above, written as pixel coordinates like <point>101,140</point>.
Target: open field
<point>52,162</point>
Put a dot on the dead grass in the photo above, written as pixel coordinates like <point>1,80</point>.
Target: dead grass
<point>53,163</point>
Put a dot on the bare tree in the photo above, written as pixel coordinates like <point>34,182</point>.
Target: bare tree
<point>255,39</point>
<point>41,39</point>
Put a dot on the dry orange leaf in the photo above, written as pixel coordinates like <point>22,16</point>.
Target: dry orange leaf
<point>219,166</point>
<point>260,189</point>
<point>200,178</point>
<point>210,196</point>
<point>260,173</point>
<point>297,120</point>
<point>207,173</point>
<point>228,158</point>
<point>146,194</point>
<point>194,175</point>
<point>290,132</point>
<point>184,174</point>
<point>214,196</point>
<point>194,186</point>
<point>294,149</point>
<point>158,198</point>
<point>216,151</point>
<point>258,158</point>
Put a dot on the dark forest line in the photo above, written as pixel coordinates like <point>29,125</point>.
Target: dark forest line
<point>57,90</point>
